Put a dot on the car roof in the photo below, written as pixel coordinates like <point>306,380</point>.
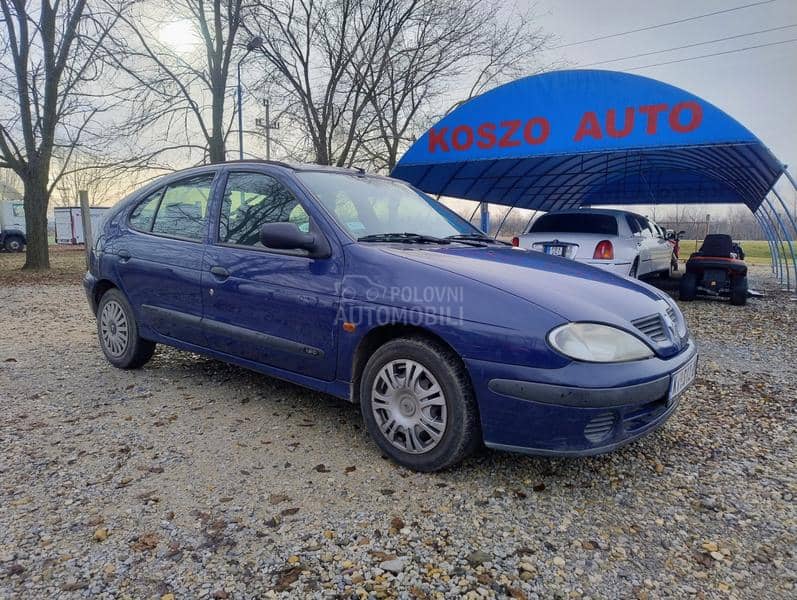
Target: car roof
<point>299,167</point>
<point>594,211</point>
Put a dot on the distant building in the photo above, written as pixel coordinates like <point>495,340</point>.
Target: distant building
<point>9,193</point>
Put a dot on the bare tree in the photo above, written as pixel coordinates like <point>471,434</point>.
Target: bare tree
<point>180,88</point>
<point>360,78</point>
<point>449,47</point>
<point>325,58</point>
<point>92,174</point>
<point>48,98</point>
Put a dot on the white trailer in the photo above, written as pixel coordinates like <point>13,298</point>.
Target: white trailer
<point>69,224</point>
<point>12,225</point>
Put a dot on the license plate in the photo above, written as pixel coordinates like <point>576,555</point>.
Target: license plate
<point>555,250</point>
<point>681,379</point>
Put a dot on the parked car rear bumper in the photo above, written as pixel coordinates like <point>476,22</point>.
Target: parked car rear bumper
<point>89,284</point>
<point>539,411</point>
<point>622,268</point>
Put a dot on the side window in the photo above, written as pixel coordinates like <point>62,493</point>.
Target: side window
<point>647,230</point>
<point>183,209</point>
<point>18,210</point>
<point>252,200</point>
<point>633,224</point>
<point>144,213</point>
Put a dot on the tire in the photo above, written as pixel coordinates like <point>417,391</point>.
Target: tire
<point>739,291</point>
<point>14,243</point>
<point>634,268</point>
<point>452,413</point>
<point>114,319</point>
<point>687,290</point>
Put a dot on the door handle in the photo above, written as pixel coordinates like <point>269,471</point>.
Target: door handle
<point>220,273</point>
<point>124,255</point>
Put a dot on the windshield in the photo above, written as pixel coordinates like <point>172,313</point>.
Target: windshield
<point>575,223</point>
<point>370,206</point>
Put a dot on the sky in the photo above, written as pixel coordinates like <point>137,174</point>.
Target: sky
<point>757,87</point>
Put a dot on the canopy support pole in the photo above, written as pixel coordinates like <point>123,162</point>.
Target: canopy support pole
<point>784,265</point>
<point>762,221</point>
<point>772,251</point>
<point>769,243</point>
<point>485,218</point>
<point>784,241</point>
<point>789,238</point>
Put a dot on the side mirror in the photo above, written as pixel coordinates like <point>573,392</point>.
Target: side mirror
<point>287,236</point>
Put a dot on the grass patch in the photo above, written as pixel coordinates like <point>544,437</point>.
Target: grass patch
<point>67,265</point>
<point>756,252</point>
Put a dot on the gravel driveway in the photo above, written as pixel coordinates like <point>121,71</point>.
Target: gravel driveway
<point>194,479</point>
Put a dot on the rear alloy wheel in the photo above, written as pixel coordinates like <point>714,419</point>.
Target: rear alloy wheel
<point>118,333</point>
<point>14,243</point>
<point>418,405</point>
<point>688,287</point>
<point>739,291</point>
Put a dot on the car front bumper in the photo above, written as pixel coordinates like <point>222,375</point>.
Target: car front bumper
<point>549,412</point>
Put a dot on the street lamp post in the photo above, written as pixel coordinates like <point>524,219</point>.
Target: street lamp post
<point>254,43</point>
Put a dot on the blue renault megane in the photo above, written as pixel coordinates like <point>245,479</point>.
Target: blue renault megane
<point>365,288</point>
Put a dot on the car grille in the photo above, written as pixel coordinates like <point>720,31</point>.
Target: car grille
<point>653,326</point>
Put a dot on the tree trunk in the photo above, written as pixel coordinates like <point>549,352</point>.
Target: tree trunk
<point>36,198</point>
<point>216,146</point>
<point>216,150</point>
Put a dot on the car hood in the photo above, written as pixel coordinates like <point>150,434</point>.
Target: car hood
<point>574,291</point>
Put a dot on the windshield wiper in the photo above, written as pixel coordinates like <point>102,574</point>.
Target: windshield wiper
<point>475,237</point>
<point>407,238</point>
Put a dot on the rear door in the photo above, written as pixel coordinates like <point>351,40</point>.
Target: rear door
<point>158,258</point>
<point>663,249</point>
<point>278,308</point>
<point>645,242</point>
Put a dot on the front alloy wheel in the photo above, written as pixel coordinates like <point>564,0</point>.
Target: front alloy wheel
<point>418,405</point>
<point>409,406</point>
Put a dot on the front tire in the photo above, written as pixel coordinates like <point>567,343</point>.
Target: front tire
<point>118,333</point>
<point>688,287</point>
<point>418,404</point>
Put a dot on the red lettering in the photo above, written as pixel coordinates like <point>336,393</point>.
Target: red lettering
<point>611,123</point>
<point>652,111</point>
<point>506,139</point>
<point>545,130</point>
<point>487,137</point>
<point>438,138</point>
<point>695,111</point>
<point>589,126</point>
<point>466,129</point>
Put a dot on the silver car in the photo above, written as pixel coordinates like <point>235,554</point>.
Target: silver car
<point>616,240</point>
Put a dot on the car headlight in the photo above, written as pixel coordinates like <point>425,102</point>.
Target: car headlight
<point>591,342</point>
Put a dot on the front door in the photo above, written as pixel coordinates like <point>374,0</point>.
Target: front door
<point>277,308</point>
<point>158,258</point>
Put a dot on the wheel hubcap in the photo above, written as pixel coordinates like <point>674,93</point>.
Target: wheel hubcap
<point>409,406</point>
<point>113,328</point>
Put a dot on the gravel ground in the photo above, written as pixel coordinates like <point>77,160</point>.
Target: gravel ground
<point>195,479</point>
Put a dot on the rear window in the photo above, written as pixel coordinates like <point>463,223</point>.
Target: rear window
<point>575,223</point>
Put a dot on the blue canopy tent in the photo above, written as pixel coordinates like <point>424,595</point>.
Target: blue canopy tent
<point>586,137</point>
